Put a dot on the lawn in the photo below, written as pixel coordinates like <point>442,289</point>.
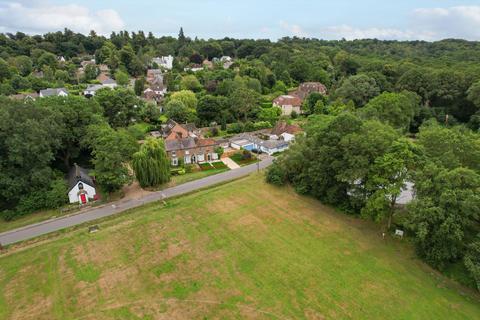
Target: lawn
<point>242,250</point>
<point>238,158</point>
<point>212,166</point>
<point>187,177</point>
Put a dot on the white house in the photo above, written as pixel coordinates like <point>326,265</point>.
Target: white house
<point>288,104</point>
<point>165,62</point>
<point>52,92</point>
<point>81,186</point>
<point>92,89</point>
<point>287,136</point>
<point>273,146</point>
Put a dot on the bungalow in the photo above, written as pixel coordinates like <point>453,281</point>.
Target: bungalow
<point>288,104</point>
<point>25,96</point>
<point>110,83</point>
<point>164,62</point>
<point>273,146</point>
<point>243,144</point>
<point>191,150</point>
<point>194,68</point>
<point>51,92</point>
<point>285,131</point>
<point>81,186</point>
<point>250,142</point>
<point>92,89</point>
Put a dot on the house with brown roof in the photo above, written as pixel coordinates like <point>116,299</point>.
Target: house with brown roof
<point>306,88</point>
<point>288,104</point>
<point>172,130</point>
<point>191,150</point>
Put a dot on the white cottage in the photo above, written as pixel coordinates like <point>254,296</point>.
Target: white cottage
<point>81,186</point>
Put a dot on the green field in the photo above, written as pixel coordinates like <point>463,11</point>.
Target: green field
<point>243,250</point>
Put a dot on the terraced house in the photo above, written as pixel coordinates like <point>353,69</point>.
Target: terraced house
<point>191,150</point>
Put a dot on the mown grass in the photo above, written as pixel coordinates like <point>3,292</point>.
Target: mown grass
<point>243,250</point>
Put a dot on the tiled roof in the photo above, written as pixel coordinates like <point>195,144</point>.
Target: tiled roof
<point>77,174</point>
<point>282,127</point>
<point>291,100</point>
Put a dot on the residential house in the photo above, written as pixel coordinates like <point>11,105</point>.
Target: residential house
<point>165,62</point>
<point>207,64</point>
<point>250,142</point>
<point>285,131</point>
<point>81,186</point>
<point>92,89</point>
<point>307,88</point>
<point>194,68</point>
<point>154,75</point>
<point>102,77</point>
<point>87,62</point>
<point>173,131</point>
<point>104,68</point>
<point>288,104</point>
<point>273,146</point>
<point>52,92</point>
<point>226,59</point>
<point>109,83</point>
<point>25,96</point>
<point>151,95</point>
<point>191,150</point>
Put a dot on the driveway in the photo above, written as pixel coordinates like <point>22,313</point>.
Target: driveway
<point>113,208</point>
<point>232,165</point>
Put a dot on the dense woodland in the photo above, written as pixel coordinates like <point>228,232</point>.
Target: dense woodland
<point>396,112</point>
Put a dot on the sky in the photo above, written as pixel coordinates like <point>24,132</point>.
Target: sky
<point>258,19</point>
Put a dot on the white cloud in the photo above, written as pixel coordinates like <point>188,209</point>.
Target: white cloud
<point>39,17</point>
<point>423,24</point>
<point>293,29</point>
<point>453,22</point>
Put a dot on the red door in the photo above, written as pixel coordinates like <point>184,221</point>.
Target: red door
<point>83,198</point>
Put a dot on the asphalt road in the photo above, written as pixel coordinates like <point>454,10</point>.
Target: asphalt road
<point>113,208</point>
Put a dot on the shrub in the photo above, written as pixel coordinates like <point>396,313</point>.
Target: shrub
<point>246,155</point>
<point>249,126</point>
<point>294,114</point>
<point>235,128</point>
<point>275,175</point>
<point>214,131</point>
<point>262,125</point>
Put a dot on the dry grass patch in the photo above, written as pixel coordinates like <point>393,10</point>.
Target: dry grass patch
<point>244,250</point>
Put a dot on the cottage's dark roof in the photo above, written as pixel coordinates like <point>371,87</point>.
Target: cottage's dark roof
<point>180,144</point>
<point>282,127</point>
<point>190,127</point>
<point>77,174</point>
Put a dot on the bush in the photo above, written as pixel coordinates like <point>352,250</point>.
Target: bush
<point>214,131</point>
<point>249,126</point>
<point>53,197</point>
<point>246,155</point>
<point>235,128</point>
<point>262,125</point>
<point>294,114</point>
<point>275,175</point>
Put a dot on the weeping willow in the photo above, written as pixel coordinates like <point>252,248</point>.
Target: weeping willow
<point>151,164</point>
